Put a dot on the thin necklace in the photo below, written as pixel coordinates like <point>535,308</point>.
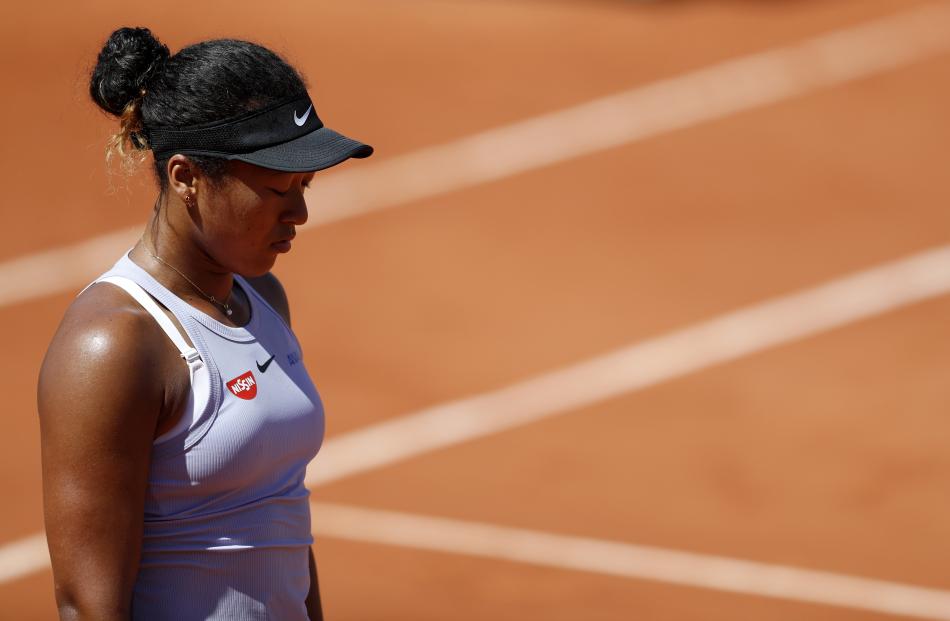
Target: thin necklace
<point>211,298</point>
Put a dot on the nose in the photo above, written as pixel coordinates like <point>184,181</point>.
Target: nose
<point>296,211</point>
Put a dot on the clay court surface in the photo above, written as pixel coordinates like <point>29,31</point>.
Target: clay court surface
<point>819,452</point>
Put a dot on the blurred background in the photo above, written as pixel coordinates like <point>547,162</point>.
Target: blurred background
<point>638,312</point>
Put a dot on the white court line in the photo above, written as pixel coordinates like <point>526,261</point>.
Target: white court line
<point>643,112</point>
<point>23,557</point>
<point>628,560</point>
<point>721,339</point>
<point>727,337</point>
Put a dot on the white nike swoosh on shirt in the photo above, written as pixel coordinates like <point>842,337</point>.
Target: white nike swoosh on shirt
<point>301,120</point>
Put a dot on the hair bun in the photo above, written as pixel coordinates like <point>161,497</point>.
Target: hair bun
<point>128,59</point>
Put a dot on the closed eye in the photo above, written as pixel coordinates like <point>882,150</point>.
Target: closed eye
<point>305,184</point>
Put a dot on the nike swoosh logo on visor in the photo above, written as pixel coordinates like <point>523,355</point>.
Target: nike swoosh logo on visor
<point>300,120</point>
<point>263,367</point>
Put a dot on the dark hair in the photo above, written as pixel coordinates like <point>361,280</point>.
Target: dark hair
<point>139,81</point>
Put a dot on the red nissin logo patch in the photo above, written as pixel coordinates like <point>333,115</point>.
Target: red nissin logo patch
<point>244,386</point>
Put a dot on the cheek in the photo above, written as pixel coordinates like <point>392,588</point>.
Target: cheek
<point>236,212</point>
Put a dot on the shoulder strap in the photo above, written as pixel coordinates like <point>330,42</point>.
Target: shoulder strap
<point>190,354</point>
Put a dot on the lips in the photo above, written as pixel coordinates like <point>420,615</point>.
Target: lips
<point>283,245</point>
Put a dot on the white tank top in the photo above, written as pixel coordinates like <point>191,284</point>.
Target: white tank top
<point>227,519</point>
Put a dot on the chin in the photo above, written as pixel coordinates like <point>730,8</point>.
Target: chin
<point>257,269</point>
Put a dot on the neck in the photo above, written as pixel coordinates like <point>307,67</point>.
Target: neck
<point>181,265</point>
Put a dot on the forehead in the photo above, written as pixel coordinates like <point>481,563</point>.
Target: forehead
<point>253,175</point>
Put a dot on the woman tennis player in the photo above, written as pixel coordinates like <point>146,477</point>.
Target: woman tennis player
<point>177,417</point>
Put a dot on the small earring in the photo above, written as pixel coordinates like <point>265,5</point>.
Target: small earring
<point>188,201</point>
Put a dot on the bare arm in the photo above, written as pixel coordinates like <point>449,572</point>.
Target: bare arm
<point>100,397</point>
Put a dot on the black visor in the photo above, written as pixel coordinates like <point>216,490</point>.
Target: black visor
<point>287,136</point>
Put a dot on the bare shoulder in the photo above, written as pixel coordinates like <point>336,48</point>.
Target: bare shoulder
<point>102,358</point>
<point>102,323</point>
<point>269,287</point>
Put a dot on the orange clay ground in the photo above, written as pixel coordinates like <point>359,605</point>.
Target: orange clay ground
<point>826,453</point>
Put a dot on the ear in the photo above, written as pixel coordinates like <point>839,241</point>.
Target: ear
<point>183,176</point>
